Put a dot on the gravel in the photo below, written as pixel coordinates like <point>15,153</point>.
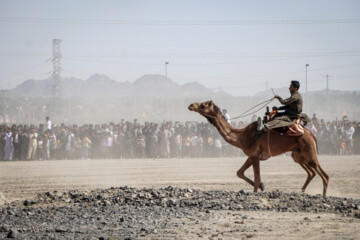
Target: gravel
<point>132,213</point>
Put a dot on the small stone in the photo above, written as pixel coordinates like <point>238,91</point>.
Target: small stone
<point>13,234</point>
<point>4,228</point>
<point>60,229</point>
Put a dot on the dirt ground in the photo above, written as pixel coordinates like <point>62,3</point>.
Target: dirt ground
<point>24,179</point>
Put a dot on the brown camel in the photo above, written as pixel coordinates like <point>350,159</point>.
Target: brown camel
<point>303,148</point>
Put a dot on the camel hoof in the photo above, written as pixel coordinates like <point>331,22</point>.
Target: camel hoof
<point>262,187</point>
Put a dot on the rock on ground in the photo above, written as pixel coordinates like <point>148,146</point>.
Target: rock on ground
<point>166,213</point>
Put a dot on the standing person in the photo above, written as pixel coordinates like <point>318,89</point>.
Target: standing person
<point>178,140</point>
<point>356,138</point>
<point>16,144</point>
<point>194,146</point>
<point>2,143</point>
<point>107,145</point>
<point>9,147</point>
<point>348,137</point>
<point>86,143</point>
<point>218,146</point>
<point>40,145</point>
<point>146,132</point>
<point>24,144</point>
<point>46,147</point>
<point>226,115</point>
<point>69,147</point>
<point>140,146</point>
<point>78,148</point>
<point>164,142</point>
<point>47,125</point>
<point>53,143</point>
<point>32,144</point>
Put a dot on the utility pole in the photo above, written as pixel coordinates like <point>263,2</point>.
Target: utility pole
<point>306,86</point>
<point>56,75</point>
<point>166,92</point>
<point>327,89</point>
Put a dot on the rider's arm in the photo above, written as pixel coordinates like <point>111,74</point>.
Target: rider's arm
<point>287,101</point>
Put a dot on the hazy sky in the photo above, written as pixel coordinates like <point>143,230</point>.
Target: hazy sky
<point>242,47</point>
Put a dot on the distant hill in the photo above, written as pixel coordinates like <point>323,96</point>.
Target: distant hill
<point>36,88</point>
<point>100,85</point>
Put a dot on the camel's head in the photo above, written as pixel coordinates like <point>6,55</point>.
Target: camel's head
<point>206,108</point>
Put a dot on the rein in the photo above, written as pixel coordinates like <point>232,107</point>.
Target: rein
<point>263,104</point>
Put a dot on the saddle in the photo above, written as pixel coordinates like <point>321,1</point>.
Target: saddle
<point>289,128</point>
<point>295,130</point>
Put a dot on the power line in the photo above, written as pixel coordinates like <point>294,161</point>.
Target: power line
<point>180,22</point>
<point>189,55</point>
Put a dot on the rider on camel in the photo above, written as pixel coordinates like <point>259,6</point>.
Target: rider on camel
<point>294,104</point>
<point>293,107</point>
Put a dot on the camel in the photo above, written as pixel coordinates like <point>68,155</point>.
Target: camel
<point>269,144</point>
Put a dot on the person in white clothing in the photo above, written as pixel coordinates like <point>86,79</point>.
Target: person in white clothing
<point>9,148</point>
<point>348,132</point>
<point>47,124</point>
<point>226,115</point>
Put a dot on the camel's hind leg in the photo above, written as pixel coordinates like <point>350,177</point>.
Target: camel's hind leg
<point>308,152</point>
<point>310,171</point>
<point>325,178</point>
<point>311,174</point>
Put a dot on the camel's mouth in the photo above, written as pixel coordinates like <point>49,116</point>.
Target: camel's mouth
<point>194,107</point>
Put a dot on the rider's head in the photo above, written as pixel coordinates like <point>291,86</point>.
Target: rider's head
<point>294,86</point>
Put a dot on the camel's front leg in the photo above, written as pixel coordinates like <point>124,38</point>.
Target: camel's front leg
<point>244,167</point>
<point>256,167</point>
<point>241,171</point>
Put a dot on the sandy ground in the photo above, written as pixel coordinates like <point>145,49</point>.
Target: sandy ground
<point>24,179</point>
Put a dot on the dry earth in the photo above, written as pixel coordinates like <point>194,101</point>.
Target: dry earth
<point>24,180</point>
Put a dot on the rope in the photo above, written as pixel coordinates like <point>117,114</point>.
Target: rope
<point>265,103</point>
<point>242,115</point>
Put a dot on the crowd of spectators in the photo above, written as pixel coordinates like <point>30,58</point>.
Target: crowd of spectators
<point>336,137</point>
<point>131,139</point>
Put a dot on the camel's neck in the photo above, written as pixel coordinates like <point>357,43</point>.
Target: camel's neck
<point>226,131</point>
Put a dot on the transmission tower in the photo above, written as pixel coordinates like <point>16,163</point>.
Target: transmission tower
<point>56,75</point>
